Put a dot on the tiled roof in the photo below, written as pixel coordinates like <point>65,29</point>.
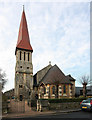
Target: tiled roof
<point>40,74</point>
<point>55,76</point>
<point>70,78</point>
<point>23,37</point>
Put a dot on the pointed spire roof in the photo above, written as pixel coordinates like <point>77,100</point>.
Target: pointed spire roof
<point>23,36</point>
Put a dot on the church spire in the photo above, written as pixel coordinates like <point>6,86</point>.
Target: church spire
<point>23,7</point>
<point>23,36</point>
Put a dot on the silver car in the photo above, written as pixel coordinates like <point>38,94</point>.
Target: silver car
<point>86,104</point>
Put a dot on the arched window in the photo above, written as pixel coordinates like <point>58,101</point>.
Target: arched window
<point>64,89</point>
<point>28,56</point>
<point>24,56</point>
<point>53,90</point>
<point>44,90</point>
<point>20,55</point>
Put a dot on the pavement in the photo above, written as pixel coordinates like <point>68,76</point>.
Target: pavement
<point>37,113</point>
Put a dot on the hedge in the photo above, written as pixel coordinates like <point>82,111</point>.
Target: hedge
<point>64,100</point>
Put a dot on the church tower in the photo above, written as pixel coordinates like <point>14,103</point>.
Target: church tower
<point>24,67</point>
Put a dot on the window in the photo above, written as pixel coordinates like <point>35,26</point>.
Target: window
<point>64,89</point>
<point>20,66</point>
<point>48,89</point>
<point>20,86</point>
<point>44,90</point>
<point>20,55</point>
<point>21,97</point>
<point>27,67</point>
<point>28,56</point>
<point>53,90</point>
<point>60,92</point>
<point>29,93</point>
<point>24,56</point>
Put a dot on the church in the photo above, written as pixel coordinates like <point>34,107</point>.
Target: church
<point>49,82</point>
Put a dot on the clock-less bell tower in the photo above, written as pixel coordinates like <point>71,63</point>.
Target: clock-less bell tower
<point>24,67</point>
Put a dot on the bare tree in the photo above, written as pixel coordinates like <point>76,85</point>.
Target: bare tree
<point>3,79</point>
<point>84,80</point>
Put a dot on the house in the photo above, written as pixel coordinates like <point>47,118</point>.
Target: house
<point>9,94</point>
<point>79,91</point>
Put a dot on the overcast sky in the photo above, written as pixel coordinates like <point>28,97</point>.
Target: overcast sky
<point>59,32</point>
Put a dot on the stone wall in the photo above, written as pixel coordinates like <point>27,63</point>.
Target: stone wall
<point>63,106</point>
<point>44,105</point>
<point>23,74</point>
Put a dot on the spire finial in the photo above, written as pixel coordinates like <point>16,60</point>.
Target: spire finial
<point>49,62</point>
<point>23,7</point>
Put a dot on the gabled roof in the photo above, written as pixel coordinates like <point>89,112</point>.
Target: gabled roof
<point>45,68</point>
<point>40,74</point>
<point>70,77</point>
<point>55,76</point>
<point>23,37</point>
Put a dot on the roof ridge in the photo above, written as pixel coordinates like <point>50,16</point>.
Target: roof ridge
<point>45,75</point>
<point>59,69</point>
<point>44,68</point>
<point>53,75</point>
<point>70,77</point>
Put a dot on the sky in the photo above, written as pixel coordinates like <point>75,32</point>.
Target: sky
<point>59,32</point>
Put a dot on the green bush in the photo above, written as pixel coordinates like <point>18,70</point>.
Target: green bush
<point>64,100</point>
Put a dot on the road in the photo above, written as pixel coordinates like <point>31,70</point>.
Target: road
<point>81,115</point>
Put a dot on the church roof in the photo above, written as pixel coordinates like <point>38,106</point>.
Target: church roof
<point>70,77</point>
<point>40,74</point>
<point>23,36</point>
<point>55,76</point>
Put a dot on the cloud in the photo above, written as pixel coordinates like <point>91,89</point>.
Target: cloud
<point>59,32</point>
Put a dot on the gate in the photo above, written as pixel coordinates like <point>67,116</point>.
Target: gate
<point>17,106</point>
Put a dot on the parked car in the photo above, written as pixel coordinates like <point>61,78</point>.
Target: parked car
<point>86,104</point>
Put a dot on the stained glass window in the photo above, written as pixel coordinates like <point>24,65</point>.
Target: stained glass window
<point>64,89</point>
